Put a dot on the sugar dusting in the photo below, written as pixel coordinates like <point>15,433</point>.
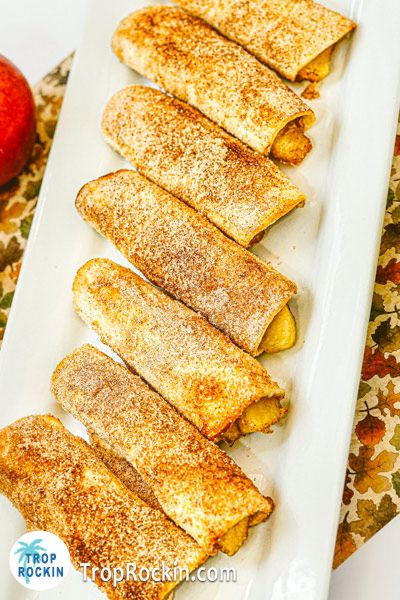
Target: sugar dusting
<point>59,485</point>
<point>182,252</point>
<point>198,485</point>
<point>284,35</point>
<point>193,62</point>
<point>175,146</point>
<point>191,364</point>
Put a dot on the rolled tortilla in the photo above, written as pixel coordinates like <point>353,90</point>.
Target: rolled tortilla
<point>191,61</point>
<point>185,254</point>
<point>59,485</point>
<point>178,148</point>
<point>198,486</point>
<point>124,470</point>
<point>293,37</point>
<point>191,364</point>
<point>229,543</point>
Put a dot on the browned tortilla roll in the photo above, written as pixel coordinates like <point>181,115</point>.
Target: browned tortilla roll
<point>293,37</point>
<point>191,364</point>
<point>175,146</point>
<point>193,62</point>
<point>198,486</point>
<point>185,254</point>
<point>124,470</point>
<point>58,483</point>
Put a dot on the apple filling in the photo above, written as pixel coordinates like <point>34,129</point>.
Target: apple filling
<point>280,334</point>
<point>257,238</point>
<point>231,541</point>
<point>291,146</point>
<point>318,68</point>
<point>259,416</point>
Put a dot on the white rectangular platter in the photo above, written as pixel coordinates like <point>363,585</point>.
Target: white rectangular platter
<point>329,248</point>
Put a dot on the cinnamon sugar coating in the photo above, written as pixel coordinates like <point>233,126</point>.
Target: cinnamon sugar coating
<point>185,254</point>
<point>124,470</point>
<point>188,362</point>
<point>194,63</point>
<point>174,145</point>
<point>198,485</point>
<point>284,34</point>
<point>59,485</point>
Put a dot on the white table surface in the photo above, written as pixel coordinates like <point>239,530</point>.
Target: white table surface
<point>36,35</point>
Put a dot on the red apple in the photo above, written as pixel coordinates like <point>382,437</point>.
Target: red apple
<point>17,121</point>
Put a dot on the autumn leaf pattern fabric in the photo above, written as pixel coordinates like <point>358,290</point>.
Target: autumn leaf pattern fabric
<point>18,198</point>
<point>372,487</point>
<point>371,496</point>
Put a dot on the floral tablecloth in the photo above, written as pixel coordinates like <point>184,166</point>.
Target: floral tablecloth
<point>372,488</point>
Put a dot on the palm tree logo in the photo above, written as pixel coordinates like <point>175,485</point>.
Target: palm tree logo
<point>26,550</point>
